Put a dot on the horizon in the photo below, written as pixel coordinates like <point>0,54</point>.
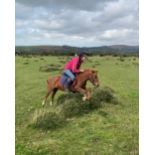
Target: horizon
<point>79,46</point>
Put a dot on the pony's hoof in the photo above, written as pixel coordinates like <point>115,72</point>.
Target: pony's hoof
<point>51,103</point>
<point>84,98</point>
<point>43,103</point>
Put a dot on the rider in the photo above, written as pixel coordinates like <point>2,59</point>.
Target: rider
<point>72,68</point>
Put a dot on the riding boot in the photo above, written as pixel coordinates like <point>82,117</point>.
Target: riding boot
<point>68,84</point>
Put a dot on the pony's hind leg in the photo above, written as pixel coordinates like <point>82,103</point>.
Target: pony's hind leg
<point>46,96</point>
<point>52,96</point>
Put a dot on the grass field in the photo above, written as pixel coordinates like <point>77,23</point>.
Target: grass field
<point>111,129</point>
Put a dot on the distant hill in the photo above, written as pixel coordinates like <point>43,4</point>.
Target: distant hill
<point>125,48</point>
<point>69,50</point>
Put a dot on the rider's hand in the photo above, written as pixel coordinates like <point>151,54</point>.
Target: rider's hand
<point>81,70</point>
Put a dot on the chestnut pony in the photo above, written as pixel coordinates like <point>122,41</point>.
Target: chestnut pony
<point>79,85</point>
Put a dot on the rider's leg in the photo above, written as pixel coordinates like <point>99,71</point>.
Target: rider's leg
<point>70,78</point>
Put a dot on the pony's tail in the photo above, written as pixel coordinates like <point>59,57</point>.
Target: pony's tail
<point>49,79</point>
<point>49,83</point>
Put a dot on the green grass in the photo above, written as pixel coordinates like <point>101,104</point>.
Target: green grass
<point>67,128</point>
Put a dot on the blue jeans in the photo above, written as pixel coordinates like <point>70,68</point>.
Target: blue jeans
<point>70,78</point>
<point>69,74</point>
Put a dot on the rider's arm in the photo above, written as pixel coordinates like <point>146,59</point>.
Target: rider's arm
<point>74,65</point>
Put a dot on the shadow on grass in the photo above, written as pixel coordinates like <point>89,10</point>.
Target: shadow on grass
<point>71,105</point>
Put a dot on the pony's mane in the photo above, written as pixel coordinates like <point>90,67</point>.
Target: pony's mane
<point>90,70</point>
<point>87,71</point>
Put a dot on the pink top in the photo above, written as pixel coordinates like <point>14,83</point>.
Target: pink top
<point>73,65</point>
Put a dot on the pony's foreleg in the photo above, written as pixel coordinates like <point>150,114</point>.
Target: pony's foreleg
<point>83,92</point>
<point>89,91</point>
<point>87,95</point>
<point>46,96</point>
<point>52,96</point>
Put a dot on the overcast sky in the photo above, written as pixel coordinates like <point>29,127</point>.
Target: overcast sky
<point>77,22</point>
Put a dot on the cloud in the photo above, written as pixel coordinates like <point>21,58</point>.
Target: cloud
<point>77,23</point>
<point>65,4</point>
<point>116,33</point>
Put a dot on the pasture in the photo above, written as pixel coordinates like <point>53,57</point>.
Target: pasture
<point>107,125</point>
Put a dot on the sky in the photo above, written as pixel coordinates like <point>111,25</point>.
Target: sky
<point>81,23</point>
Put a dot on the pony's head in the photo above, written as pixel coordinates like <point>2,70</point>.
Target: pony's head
<point>93,77</point>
